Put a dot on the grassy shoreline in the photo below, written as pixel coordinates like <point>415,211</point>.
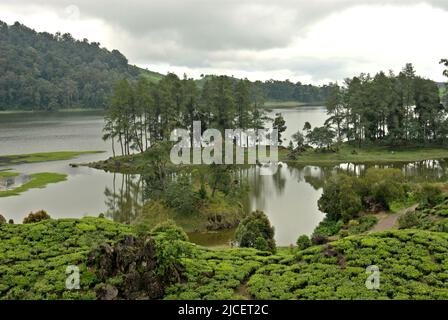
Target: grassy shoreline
<point>347,153</point>
<point>37,181</point>
<point>378,154</point>
<point>16,159</point>
<point>12,111</point>
<point>4,174</point>
<point>291,104</point>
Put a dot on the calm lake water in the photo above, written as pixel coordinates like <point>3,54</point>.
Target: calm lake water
<point>289,198</point>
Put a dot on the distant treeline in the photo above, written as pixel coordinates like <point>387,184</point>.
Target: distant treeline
<point>288,91</point>
<point>42,71</point>
<point>276,90</point>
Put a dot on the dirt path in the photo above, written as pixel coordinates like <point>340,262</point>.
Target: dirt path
<point>389,221</point>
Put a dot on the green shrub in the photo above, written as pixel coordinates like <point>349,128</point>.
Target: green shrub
<point>344,197</point>
<point>361,225</point>
<point>261,244</point>
<point>255,226</point>
<point>180,196</point>
<point>413,219</point>
<point>169,231</point>
<point>328,227</point>
<point>382,186</point>
<point>36,217</point>
<point>429,195</point>
<point>340,198</point>
<point>303,242</point>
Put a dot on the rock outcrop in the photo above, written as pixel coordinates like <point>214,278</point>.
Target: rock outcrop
<point>128,270</point>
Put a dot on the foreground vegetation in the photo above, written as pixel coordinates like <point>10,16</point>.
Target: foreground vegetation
<point>333,264</point>
<point>413,265</point>
<point>16,159</point>
<point>34,257</point>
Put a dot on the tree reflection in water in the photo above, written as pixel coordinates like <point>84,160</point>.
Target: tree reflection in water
<point>126,197</point>
<point>128,194</point>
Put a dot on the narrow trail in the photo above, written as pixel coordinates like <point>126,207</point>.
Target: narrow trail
<point>389,220</point>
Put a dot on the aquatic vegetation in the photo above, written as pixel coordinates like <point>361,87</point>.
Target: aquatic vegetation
<point>38,180</point>
<point>8,174</point>
<point>41,157</point>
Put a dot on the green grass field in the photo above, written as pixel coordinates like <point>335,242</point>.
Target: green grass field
<point>41,157</point>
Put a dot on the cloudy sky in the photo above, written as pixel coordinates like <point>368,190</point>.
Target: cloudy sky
<point>302,40</point>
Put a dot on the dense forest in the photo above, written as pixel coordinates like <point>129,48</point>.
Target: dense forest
<point>143,112</point>
<point>388,108</point>
<point>41,71</point>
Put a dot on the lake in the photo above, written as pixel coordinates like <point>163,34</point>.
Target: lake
<point>289,197</point>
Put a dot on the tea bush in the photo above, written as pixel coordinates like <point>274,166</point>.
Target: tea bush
<point>34,256</point>
<point>413,264</point>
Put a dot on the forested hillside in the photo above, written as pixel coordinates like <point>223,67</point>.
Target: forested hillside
<point>41,71</point>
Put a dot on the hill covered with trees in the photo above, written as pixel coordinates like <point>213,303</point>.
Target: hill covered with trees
<point>42,71</point>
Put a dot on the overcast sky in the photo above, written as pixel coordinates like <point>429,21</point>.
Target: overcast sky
<point>310,41</point>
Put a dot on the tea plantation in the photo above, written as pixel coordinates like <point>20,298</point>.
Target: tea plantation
<point>413,264</point>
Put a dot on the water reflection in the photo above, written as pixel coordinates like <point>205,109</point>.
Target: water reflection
<point>288,197</point>
<point>125,199</point>
<point>427,170</point>
<point>9,183</point>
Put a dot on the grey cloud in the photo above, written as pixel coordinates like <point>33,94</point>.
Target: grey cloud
<point>211,24</point>
<point>210,33</point>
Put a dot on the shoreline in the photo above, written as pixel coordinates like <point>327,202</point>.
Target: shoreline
<point>18,111</point>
